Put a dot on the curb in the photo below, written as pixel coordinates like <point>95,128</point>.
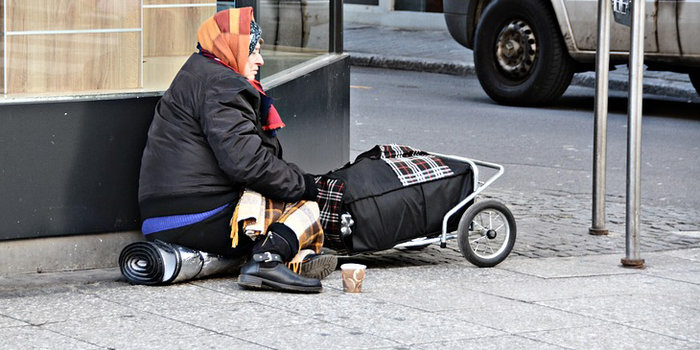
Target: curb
<point>412,64</point>
<point>651,86</point>
<point>587,79</point>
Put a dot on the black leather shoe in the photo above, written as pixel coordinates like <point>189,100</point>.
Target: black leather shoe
<point>266,271</point>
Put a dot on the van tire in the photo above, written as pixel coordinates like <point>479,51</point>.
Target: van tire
<point>519,53</point>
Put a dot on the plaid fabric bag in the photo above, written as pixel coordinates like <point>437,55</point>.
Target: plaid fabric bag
<point>393,193</point>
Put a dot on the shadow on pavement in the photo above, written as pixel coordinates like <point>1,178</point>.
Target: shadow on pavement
<point>652,105</point>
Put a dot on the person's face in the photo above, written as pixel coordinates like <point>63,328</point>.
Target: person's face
<point>255,60</point>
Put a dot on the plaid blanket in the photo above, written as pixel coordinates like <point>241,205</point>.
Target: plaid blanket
<point>254,213</point>
<point>395,151</point>
<point>413,166</point>
<point>330,202</point>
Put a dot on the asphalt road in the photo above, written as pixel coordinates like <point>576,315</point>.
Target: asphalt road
<point>543,149</point>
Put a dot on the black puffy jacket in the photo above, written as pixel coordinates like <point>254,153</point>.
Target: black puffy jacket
<point>206,143</point>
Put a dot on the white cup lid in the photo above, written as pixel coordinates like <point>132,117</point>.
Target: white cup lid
<point>352,267</point>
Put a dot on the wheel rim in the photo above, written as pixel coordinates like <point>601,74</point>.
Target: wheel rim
<point>489,233</point>
<point>516,49</point>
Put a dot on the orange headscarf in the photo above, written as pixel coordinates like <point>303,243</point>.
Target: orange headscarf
<point>227,36</point>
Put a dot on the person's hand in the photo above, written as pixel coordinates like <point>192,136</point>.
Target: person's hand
<point>310,188</point>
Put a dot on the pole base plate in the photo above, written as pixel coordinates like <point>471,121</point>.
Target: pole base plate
<point>632,263</point>
<point>598,231</point>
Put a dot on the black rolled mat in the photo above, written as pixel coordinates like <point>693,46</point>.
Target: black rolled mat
<point>143,263</point>
<point>152,263</point>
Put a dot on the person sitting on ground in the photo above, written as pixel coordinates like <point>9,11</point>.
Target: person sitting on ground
<point>213,140</point>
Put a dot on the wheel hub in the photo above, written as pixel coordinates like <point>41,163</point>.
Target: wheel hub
<point>516,49</point>
<point>491,234</point>
<point>511,49</point>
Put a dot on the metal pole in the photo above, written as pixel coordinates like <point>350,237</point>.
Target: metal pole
<point>335,24</point>
<point>634,137</point>
<point>600,130</point>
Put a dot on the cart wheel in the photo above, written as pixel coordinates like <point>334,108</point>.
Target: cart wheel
<point>486,233</point>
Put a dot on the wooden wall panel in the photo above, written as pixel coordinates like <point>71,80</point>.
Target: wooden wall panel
<point>158,72</point>
<point>177,2</point>
<point>73,62</point>
<point>2,65</point>
<point>32,15</point>
<point>172,31</point>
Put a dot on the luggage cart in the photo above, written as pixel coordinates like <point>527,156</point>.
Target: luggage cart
<point>486,232</point>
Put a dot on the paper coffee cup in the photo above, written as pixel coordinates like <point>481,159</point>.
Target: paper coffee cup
<point>352,275</point>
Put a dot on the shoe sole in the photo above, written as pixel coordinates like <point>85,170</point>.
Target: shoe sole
<point>255,282</point>
<point>320,267</point>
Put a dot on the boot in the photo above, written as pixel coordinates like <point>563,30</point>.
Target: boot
<point>268,271</point>
<point>317,265</point>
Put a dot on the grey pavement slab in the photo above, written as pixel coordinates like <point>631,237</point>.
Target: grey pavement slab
<point>578,266</point>
<point>128,331</point>
<point>685,276</point>
<point>407,325</point>
<point>610,337</point>
<point>320,336</point>
<point>33,284</point>
<point>31,337</point>
<point>498,342</point>
<point>374,312</point>
<point>215,311</point>
<point>152,299</point>
<point>672,267</point>
<point>58,307</point>
<point>688,254</point>
<point>684,326</point>
<point>583,302</point>
<point>208,341</point>
<point>538,290</point>
<point>456,297</point>
<point>6,321</point>
<point>514,317</point>
<point>627,308</point>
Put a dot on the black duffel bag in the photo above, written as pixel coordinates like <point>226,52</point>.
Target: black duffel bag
<point>393,194</point>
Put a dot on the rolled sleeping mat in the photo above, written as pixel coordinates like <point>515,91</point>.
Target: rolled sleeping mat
<point>158,262</point>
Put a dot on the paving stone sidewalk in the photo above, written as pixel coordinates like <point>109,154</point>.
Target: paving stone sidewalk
<point>547,303</point>
<point>555,224</point>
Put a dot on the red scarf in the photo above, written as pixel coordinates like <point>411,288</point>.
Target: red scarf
<point>270,117</point>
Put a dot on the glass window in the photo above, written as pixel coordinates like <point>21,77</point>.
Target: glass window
<point>294,31</point>
<point>83,47</point>
<point>170,37</point>
<point>63,46</point>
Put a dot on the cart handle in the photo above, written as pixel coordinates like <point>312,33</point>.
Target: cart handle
<point>477,188</point>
